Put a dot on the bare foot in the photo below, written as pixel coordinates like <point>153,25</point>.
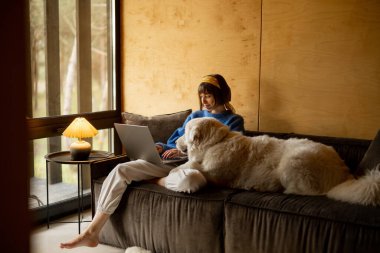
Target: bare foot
<point>159,181</point>
<point>86,239</point>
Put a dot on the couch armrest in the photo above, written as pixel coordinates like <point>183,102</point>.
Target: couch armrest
<point>101,168</point>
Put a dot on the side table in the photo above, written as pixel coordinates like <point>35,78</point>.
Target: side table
<point>64,157</point>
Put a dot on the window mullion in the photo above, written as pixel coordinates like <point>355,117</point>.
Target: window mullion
<point>84,56</point>
<point>53,92</point>
<point>52,58</point>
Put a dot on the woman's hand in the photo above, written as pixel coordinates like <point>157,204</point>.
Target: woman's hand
<point>171,153</point>
<point>159,148</point>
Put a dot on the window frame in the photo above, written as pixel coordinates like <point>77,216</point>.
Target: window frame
<point>52,126</point>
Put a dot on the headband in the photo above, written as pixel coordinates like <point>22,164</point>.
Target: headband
<point>211,80</point>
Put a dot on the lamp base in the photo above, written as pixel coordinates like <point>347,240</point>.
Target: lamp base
<point>80,150</point>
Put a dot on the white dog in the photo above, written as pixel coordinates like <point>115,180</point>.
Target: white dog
<point>263,163</point>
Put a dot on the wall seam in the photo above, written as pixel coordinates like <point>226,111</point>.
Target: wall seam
<point>260,50</point>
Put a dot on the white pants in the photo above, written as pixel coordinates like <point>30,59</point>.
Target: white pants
<point>121,176</point>
<point>182,179</point>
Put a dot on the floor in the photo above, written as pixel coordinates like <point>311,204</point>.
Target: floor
<point>45,240</point>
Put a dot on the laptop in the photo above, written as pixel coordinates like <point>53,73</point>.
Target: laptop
<point>139,144</point>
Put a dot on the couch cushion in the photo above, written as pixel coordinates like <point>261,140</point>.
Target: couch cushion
<point>161,126</point>
<point>161,220</point>
<point>276,222</point>
<point>371,158</point>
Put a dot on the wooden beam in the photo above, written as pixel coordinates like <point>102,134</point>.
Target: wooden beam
<point>53,87</point>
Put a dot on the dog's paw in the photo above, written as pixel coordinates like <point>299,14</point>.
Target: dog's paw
<point>185,180</point>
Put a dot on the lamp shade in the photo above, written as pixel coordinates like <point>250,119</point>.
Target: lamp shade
<point>80,128</point>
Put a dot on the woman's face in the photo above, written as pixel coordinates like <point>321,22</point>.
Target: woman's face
<point>208,101</point>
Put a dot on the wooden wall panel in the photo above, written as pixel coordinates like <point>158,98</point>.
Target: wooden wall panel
<point>168,45</point>
<point>321,67</point>
<point>320,60</point>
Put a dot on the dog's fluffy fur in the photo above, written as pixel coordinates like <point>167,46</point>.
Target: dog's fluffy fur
<point>263,163</point>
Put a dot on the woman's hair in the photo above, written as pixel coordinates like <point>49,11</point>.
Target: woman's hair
<point>218,87</point>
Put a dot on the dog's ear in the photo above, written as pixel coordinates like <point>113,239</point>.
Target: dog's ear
<point>195,136</point>
<point>181,145</point>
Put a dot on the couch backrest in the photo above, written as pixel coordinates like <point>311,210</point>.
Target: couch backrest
<point>349,149</point>
<point>161,126</point>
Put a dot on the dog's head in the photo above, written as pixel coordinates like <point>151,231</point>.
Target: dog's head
<point>201,133</point>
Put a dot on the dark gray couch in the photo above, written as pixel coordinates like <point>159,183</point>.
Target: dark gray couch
<point>233,221</point>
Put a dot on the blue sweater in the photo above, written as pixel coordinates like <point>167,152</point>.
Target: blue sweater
<point>234,121</point>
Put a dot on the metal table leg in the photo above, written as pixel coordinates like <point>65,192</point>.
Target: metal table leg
<point>47,195</point>
<point>79,198</point>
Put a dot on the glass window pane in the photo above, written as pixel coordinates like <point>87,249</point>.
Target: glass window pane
<point>37,53</point>
<point>62,96</point>
<point>68,56</point>
<point>101,60</point>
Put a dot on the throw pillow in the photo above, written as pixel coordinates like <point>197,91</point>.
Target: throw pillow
<point>371,158</point>
<point>160,126</point>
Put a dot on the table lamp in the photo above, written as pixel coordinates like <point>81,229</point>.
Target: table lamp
<point>80,128</point>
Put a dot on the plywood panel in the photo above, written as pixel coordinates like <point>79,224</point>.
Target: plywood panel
<point>168,45</point>
<point>321,67</point>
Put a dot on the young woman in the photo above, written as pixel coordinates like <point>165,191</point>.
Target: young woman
<point>214,99</point>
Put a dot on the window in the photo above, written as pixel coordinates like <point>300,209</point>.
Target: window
<point>74,72</point>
